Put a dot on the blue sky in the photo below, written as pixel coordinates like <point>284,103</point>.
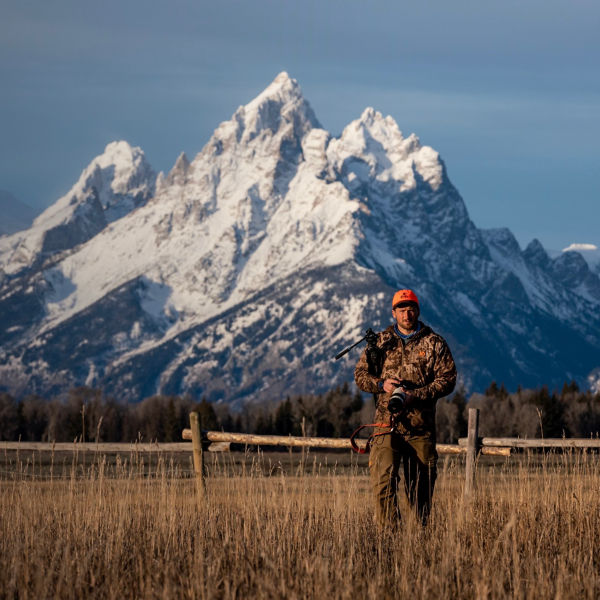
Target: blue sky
<point>508,92</point>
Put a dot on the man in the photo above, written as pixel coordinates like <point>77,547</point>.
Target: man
<point>417,370</point>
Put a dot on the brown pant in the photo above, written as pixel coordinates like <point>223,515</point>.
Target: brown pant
<point>419,459</point>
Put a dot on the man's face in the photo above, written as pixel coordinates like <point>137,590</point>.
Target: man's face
<point>406,317</point>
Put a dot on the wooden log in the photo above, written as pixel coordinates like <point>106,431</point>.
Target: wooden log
<point>450,449</point>
<point>274,440</point>
<point>495,451</point>
<point>176,447</point>
<point>536,443</point>
<point>219,447</point>
<point>472,443</point>
<point>456,449</point>
<point>312,442</point>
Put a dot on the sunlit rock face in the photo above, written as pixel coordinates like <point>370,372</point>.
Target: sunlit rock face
<point>240,273</point>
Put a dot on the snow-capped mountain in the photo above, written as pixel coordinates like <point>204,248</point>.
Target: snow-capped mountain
<point>240,273</point>
<point>590,252</point>
<point>114,183</point>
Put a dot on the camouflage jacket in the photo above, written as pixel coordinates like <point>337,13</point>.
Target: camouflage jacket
<point>424,362</point>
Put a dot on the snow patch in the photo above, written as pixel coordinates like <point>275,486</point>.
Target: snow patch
<point>593,380</point>
<point>155,299</point>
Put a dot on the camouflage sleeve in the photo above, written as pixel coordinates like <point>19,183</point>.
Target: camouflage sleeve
<point>444,375</point>
<point>364,380</point>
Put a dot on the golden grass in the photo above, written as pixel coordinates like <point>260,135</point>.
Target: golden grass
<point>127,530</point>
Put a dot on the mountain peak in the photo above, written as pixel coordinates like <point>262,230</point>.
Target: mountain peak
<point>179,171</point>
<point>279,107</point>
<point>378,141</point>
<point>273,226</point>
<point>118,148</point>
<point>122,164</point>
<point>283,77</point>
<point>120,171</point>
<point>371,118</point>
<point>590,252</point>
<point>536,254</point>
<point>283,87</point>
<point>112,185</point>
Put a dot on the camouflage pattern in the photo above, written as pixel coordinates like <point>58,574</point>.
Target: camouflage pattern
<point>425,364</point>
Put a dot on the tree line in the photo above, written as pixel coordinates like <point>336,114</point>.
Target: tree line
<point>537,413</point>
<point>87,415</point>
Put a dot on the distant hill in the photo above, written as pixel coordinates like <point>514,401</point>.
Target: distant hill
<point>14,214</point>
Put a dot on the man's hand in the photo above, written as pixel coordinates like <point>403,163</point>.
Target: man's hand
<point>389,385</point>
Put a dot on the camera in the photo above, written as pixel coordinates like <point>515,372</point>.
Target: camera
<point>397,401</point>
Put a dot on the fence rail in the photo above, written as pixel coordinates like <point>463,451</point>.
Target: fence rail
<point>219,441</point>
<point>107,447</point>
<point>566,443</point>
<point>313,442</point>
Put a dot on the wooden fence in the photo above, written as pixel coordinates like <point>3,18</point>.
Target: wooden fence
<point>214,441</point>
<point>471,446</point>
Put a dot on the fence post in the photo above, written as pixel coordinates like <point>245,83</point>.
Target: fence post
<point>472,449</point>
<point>198,452</point>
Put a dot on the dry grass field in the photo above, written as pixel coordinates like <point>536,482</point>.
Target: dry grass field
<point>281,526</point>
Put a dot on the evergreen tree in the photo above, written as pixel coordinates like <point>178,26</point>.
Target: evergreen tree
<point>10,417</point>
<point>207,415</point>
<point>284,422</point>
<point>459,399</point>
<point>172,429</point>
<point>552,413</point>
<point>492,391</point>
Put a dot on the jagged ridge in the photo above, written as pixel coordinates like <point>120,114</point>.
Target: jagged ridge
<point>239,273</point>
